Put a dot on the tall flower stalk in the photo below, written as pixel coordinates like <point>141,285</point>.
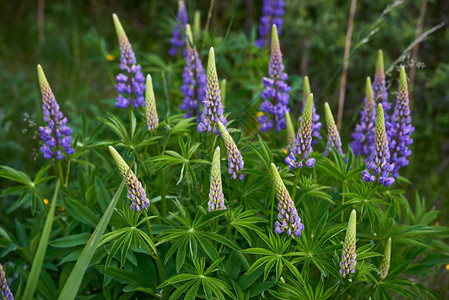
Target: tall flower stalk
<point>130,82</point>
<point>216,197</point>
<point>379,84</point>
<point>150,106</point>
<point>288,219</point>
<point>348,256</point>
<point>290,131</point>
<point>363,134</point>
<point>316,124</point>
<point>213,108</point>
<point>333,137</point>
<point>194,80</point>
<point>136,193</point>
<point>400,128</point>
<point>56,135</point>
<point>178,41</point>
<point>275,91</point>
<point>302,146</point>
<point>385,264</point>
<point>379,161</point>
<point>235,160</point>
<point>5,292</point>
<point>272,13</point>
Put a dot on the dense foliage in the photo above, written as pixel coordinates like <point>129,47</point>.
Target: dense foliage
<point>215,207</point>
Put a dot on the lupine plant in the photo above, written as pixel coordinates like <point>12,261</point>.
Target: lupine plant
<point>275,91</point>
<point>190,225</point>
<point>131,82</point>
<point>272,14</point>
<point>316,124</point>
<point>194,79</point>
<point>178,41</point>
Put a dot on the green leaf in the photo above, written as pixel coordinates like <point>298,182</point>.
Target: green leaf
<point>73,283</point>
<point>102,193</point>
<point>38,260</point>
<point>71,241</point>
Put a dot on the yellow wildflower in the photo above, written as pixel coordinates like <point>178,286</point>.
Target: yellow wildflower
<point>110,57</point>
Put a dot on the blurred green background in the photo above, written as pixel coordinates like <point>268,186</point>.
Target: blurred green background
<point>76,44</point>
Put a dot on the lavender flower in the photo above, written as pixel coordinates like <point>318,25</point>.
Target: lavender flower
<point>235,160</point>
<point>288,219</point>
<point>379,86</point>
<point>57,134</point>
<point>178,40</point>
<point>272,13</point>
<point>348,256</point>
<point>275,92</point>
<point>136,193</point>
<point>400,128</point>
<point>379,160</point>
<point>131,82</point>
<point>151,112</point>
<point>302,146</point>
<point>316,124</point>
<point>195,81</point>
<point>385,264</point>
<point>5,292</point>
<point>213,109</point>
<point>216,197</point>
<point>333,137</point>
<point>363,134</point>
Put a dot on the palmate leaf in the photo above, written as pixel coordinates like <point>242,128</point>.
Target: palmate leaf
<point>199,276</point>
<point>274,257</point>
<point>190,234</point>
<point>27,187</point>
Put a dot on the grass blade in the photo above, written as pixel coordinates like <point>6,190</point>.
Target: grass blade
<point>73,283</point>
<point>42,248</point>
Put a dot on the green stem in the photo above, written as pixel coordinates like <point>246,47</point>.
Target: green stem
<point>272,208</point>
<point>165,144</point>
<point>226,236</point>
<point>295,184</point>
<point>67,174</point>
<point>163,196</point>
<point>130,124</point>
<point>343,200</point>
<point>61,174</point>
<point>155,256</point>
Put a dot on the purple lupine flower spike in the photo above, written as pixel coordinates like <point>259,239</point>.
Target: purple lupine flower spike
<point>150,107</point>
<point>400,128</point>
<point>380,92</point>
<point>348,256</point>
<point>303,142</point>
<point>316,124</point>
<point>5,292</point>
<point>235,160</point>
<point>333,137</point>
<point>216,197</point>
<point>213,108</point>
<point>272,13</point>
<point>379,161</point>
<point>194,80</point>
<point>131,82</point>
<point>136,193</point>
<point>275,91</point>
<point>57,135</point>
<point>363,134</point>
<point>288,219</point>
<point>178,41</point>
